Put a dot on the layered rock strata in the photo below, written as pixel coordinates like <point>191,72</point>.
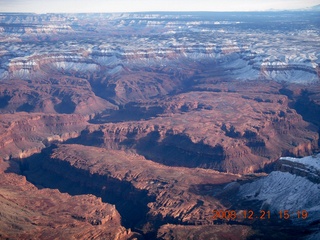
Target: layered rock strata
<point>43,214</point>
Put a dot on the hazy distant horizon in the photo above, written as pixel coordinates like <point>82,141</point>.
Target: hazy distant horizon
<point>100,6</point>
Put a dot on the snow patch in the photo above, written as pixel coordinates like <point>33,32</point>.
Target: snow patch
<point>285,191</point>
<point>312,162</point>
<point>67,66</point>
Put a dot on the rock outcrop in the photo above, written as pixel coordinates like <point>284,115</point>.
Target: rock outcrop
<point>45,213</point>
<point>23,134</point>
<point>237,130</point>
<point>145,193</point>
<point>292,186</point>
<point>50,93</point>
<point>308,167</point>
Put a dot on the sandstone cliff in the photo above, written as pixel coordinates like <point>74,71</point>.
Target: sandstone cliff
<point>24,134</point>
<point>237,130</point>
<point>146,194</point>
<point>43,214</point>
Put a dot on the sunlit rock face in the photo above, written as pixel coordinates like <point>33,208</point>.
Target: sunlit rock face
<point>50,213</point>
<point>218,73</point>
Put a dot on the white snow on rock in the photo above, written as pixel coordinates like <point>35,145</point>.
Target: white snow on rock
<point>286,191</point>
<point>75,66</point>
<point>312,162</point>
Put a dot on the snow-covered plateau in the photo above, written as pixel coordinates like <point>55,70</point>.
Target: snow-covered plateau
<point>281,191</point>
<point>246,47</point>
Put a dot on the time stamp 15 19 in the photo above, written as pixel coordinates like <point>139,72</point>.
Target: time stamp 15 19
<point>262,214</point>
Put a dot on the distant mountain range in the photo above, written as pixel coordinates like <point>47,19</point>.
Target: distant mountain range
<point>309,9</point>
<point>314,8</point>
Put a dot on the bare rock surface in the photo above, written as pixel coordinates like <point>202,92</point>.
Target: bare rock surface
<point>27,212</point>
<point>231,127</point>
<point>168,190</point>
<point>24,134</point>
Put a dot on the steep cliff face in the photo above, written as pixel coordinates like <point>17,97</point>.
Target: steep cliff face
<point>235,130</point>
<point>51,94</point>
<point>25,134</point>
<point>50,214</point>
<point>33,28</point>
<point>228,126</point>
<point>307,167</point>
<point>293,186</point>
<point>176,195</point>
<point>128,75</point>
<point>143,191</point>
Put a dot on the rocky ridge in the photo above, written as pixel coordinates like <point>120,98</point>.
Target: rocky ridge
<point>131,182</point>
<point>305,167</point>
<point>292,186</point>
<point>210,129</point>
<point>31,216</point>
<point>25,134</point>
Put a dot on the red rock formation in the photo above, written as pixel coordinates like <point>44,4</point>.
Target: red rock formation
<point>23,134</point>
<point>43,214</point>
<point>235,130</point>
<point>50,93</point>
<point>169,191</point>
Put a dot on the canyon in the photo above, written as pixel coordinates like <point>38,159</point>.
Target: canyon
<point>140,125</point>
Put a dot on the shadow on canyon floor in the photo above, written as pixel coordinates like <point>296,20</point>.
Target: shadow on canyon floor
<point>46,172</point>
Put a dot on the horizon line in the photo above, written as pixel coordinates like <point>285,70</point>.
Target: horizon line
<point>167,11</point>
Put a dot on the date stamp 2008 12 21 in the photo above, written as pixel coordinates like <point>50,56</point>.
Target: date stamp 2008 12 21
<point>262,214</point>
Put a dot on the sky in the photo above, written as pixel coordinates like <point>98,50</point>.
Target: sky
<point>71,6</point>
